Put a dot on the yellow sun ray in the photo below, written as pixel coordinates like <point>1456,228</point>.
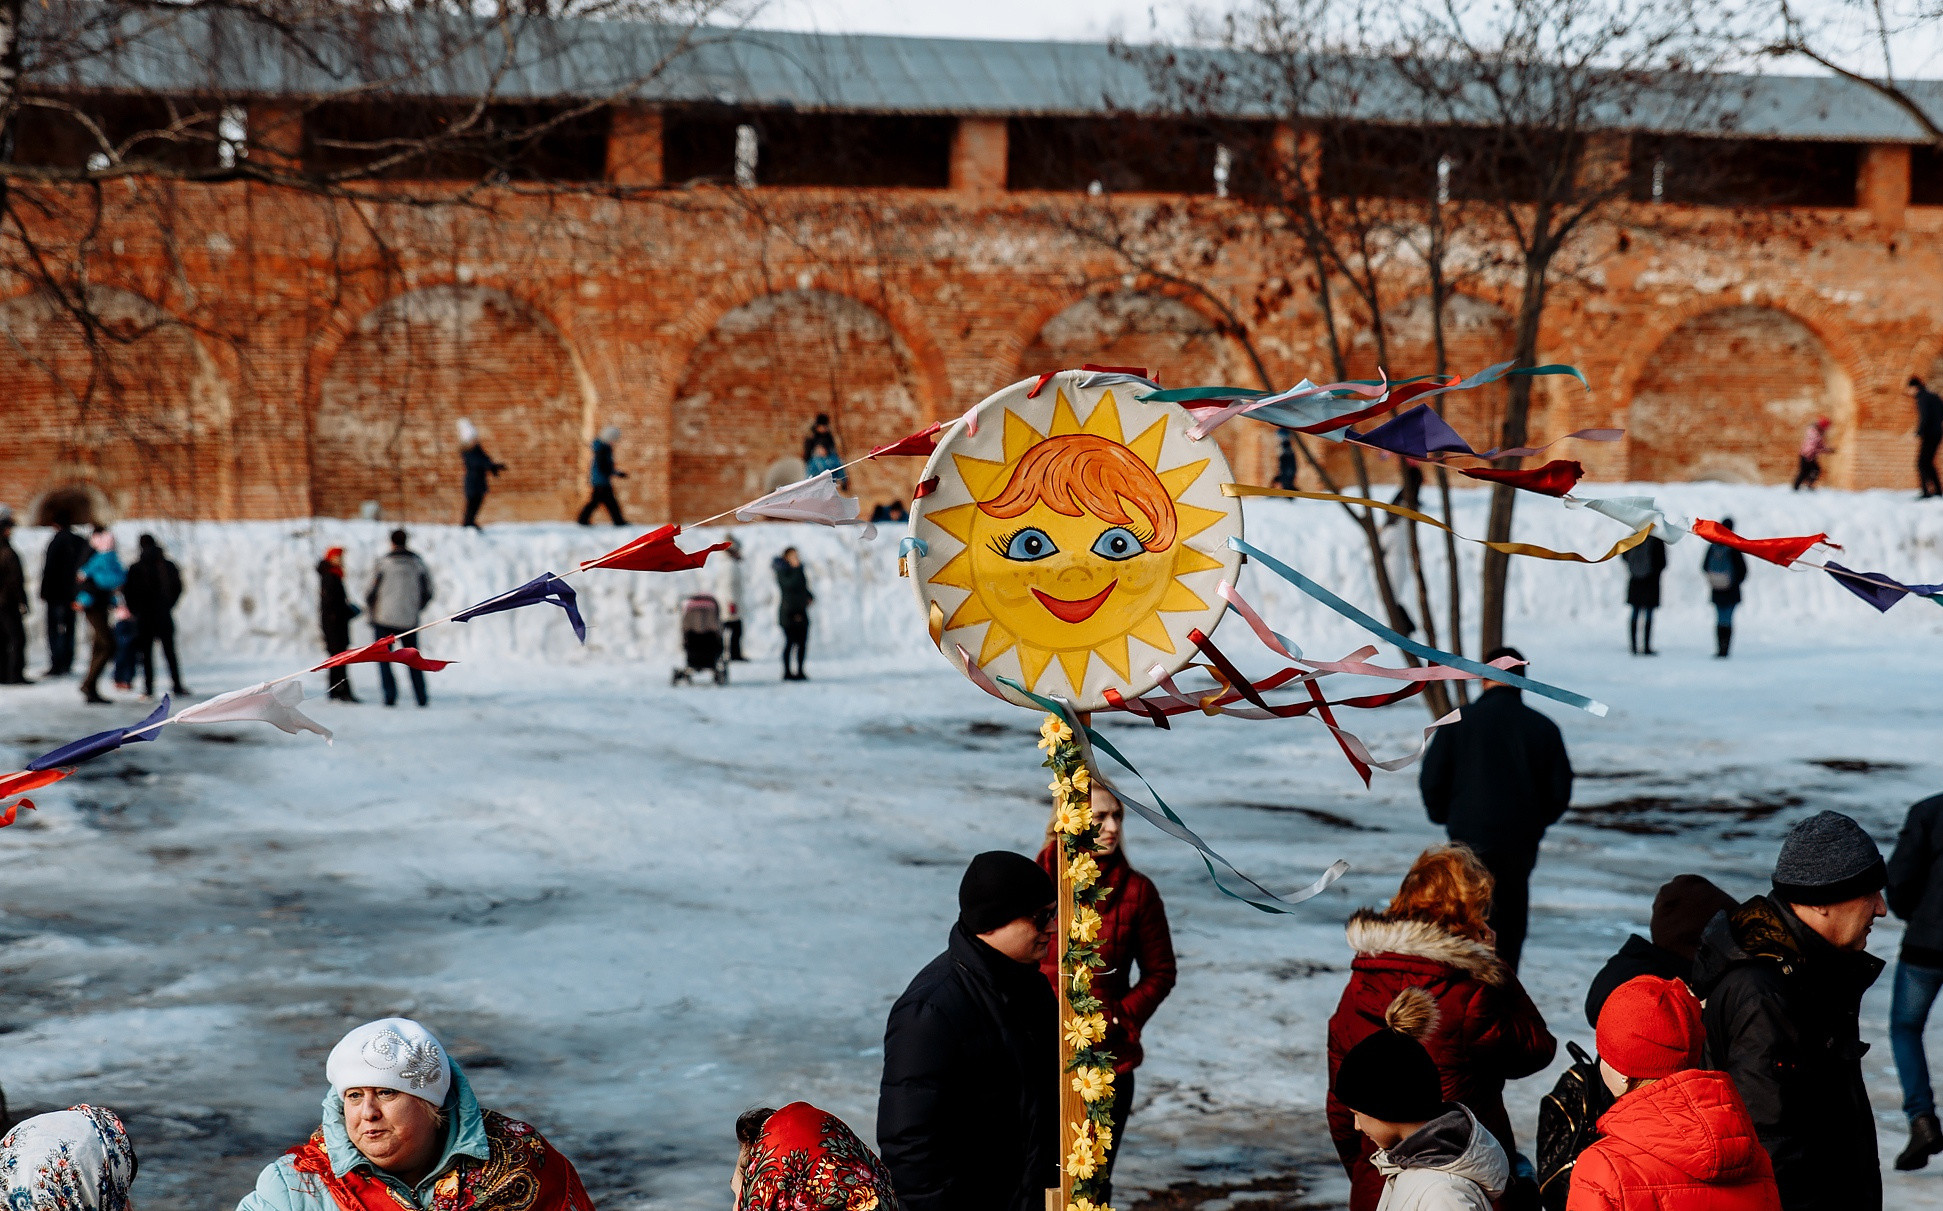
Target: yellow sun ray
<point>956,573</point>
<point>1105,420</point>
<point>997,641</point>
<point>955,521</point>
<point>1147,446</point>
<point>1192,519</point>
<point>1188,560</point>
<point>1033,662</point>
<point>1073,664</point>
<point>1153,632</point>
<point>1115,653</point>
<point>971,613</point>
<point>1064,419</point>
<point>1180,597</point>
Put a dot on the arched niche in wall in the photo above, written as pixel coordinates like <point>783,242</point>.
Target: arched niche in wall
<point>756,382</point>
<point>389,406</point>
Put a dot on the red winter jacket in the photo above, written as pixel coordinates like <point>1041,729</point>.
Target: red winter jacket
<point>1133,930</point>
<point>1685,1143</point>
<point>1488,1031</point>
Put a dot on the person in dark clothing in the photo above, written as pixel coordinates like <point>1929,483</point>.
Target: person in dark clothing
<point>13,607</point>
<point>1497,779</point>
<point>820,451</point>
<point>60,574</point>
<point>478,465</point>
<point>97,594</point>
<point>154,586</point>
<point>602,476</point>
<point>793,610</point>
<point>1929,434</point>
<point>1285,463</point>
<point>335,611</point>
<point>1681,910</point>
<point>1644,563</point>
<point>968,1113</point>
<point>1726,568</point>
<point>1783,977</point>
<point>1916,895</point>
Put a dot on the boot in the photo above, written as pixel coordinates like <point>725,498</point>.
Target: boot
<point>1646,648</point>
<point>1722,637</point>
<point>1925,1141</point>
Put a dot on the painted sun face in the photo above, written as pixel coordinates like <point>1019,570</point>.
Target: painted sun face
<point>1075,542</point>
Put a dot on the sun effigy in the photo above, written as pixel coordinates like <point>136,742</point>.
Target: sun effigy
<point>1059,550</point>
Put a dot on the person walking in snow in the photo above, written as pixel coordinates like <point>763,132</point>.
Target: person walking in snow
<point>13,607</point>
<point>154,586</point>
<point>1814,444</point>
<point>335,611</point>
<point>728,594</point>
<point>602,476</point>
<point>1929,434</point>
<point>968,1113</point>
<point>1133,934</point>
<point>1782,977</point>
<point>1497,779</point>
<point>60,572</point>
<point>401,588</point>
<point>1430,1151</point>
<point>1915,893</point>
<point>800,1157</point>
<point>100,585</point>
<point>1725,568</point>
<point>1644,564</point>
<point>1435,937</point>
<point>478,465</point>
<point>1678,1137</point>
<point>793,610</point>
<point>401,1128</point>
<point>1285,463</point>
<point>1684,906</point>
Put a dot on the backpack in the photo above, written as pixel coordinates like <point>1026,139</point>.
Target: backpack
<point>1568,1124</point>
<point>1639,562</point>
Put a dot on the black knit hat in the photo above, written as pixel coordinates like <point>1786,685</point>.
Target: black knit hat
<point>1682,909</point>
<point>1827,859</point>
<point>1389,1075</point>
<point>1001,886</point>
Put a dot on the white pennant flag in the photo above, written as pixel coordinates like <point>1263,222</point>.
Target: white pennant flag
<point>1633,511</point>
<point>263,702</point>
<point>815,499</point>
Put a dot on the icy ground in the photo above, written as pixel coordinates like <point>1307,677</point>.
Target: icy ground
<point>633,910</point>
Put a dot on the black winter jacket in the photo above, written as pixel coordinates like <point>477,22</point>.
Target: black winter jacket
<point>1916,883</point>
<point>478,464</point>
<point>1781,1016</point>
<point>60,570</point>
<point>13,579</point>
<point>793,594</point>
<point>1498,777</point>
<point>153,586</point>
<point>334,608</point>
<point>1638,957</point>
<point>968,1115</point>
<point>1644,563</point>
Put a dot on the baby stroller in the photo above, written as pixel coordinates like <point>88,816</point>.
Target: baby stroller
<point>701,641</point>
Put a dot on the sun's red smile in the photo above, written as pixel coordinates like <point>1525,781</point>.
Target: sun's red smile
<point>1074,611</point>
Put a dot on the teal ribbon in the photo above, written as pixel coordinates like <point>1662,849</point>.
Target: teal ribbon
<point>1422,650</point>
<point>1168,822</point>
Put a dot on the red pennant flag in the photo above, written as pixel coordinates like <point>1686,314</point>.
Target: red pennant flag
<point>1555,478</point>
<point>654,552</point>
<point>382,652</point>
<point>1783,551</point>
<point>21,783</point>
<point>13,810</point>
<point>922,444</point>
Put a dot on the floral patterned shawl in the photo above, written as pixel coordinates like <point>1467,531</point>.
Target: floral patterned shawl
<point>807,1160</point>
<point>77,1159</point>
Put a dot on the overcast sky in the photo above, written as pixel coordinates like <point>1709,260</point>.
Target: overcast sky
<point>1919,51</point>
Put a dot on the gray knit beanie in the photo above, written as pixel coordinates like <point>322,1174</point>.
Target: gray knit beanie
<point>1827,859</point>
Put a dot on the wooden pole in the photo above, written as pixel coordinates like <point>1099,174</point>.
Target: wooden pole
<point>1072,1108</point>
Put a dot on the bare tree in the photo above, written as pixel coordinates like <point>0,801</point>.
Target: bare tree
<point>1856,40</point>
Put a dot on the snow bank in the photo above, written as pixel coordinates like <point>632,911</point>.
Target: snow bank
<point>250,587</point>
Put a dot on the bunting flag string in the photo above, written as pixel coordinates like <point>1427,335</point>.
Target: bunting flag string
<point>1425,436</point>
<point>386,651</point>
<point>1781,551</point>
<point>271,702</point>
<point>543,588</point>
<point>1510,548</point>
<point>816,500</point>
<point>89,747</point>
<point>654,551</point>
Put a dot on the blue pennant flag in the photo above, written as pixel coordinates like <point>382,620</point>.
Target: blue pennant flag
<point>546,587</point>
<point>89,747</point>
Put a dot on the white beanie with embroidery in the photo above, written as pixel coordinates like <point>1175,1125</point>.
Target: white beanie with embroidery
<point>392,1053</point>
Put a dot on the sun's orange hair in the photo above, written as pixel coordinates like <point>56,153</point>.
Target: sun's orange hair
<point>1448,887</point>
<point>1083,473</point>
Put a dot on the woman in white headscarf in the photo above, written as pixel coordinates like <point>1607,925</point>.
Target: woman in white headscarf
<point>78,1159</point>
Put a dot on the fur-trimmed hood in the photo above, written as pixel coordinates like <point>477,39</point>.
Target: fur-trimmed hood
<point>1374,933</point>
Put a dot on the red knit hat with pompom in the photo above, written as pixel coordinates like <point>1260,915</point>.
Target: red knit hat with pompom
<point>1650,1028</point>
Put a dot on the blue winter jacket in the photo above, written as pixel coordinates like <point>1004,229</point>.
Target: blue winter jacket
<point>280,1187</point>
<point>602,472</point>
<point>100,577</point>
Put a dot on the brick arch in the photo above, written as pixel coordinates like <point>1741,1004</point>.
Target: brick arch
<point>391,386</point>
<point>757,376</point>
<point>138,422</point>
<point>1772,366</point>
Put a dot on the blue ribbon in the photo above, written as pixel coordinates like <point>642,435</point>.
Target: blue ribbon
<point>1421,650</point>
<point>912,543</point>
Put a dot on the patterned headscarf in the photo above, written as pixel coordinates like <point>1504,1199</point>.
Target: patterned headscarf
<point>77,1159</point>
<point>807,1160</point>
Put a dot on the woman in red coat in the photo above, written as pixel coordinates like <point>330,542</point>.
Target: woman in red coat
<point>1434,937</point>
<point>1133,933</point>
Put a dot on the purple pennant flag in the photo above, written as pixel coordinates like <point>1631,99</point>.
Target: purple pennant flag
<point>89,747</point>
<point>547,587</point>
<point>1418,433</point>
<point>1878,590</point>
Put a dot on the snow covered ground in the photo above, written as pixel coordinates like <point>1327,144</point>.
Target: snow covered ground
<point>633,910</point>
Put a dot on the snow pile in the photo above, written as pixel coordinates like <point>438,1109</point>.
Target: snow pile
<point>251,588</point>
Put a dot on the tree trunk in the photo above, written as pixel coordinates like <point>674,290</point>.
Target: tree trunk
<point>1517,412</point>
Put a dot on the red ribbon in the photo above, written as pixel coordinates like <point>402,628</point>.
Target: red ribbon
<point>924,488</point>
<point>1555,478</point>
<point>1136,371</point>
<point>922,444</point>
<point>1783,551</point>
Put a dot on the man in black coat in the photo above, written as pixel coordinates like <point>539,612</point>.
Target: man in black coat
<point>1929,434</point>
<point>1497,779</point>
<point>13,606</point>
<point>153,587</point>
<point>968,1114</point>
<point>60,580</point>
<point>1916,895</point>
<point>334,614</point>
<point>1783,977</point>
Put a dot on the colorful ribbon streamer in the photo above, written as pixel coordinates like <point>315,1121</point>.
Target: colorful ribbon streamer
<point>543,588</point>
<point>1510,548</point>
<point>1423,435</point>
<point>89,747</point>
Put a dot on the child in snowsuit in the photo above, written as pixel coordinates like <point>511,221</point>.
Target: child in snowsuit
<point>1814,444</point>
<point>1433,1154</point>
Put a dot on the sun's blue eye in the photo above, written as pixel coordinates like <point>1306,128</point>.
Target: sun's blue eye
<point>1118,543</point>
<point>1029,544</point>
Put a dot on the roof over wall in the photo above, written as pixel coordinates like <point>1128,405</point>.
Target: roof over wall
<point>91,45</point>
